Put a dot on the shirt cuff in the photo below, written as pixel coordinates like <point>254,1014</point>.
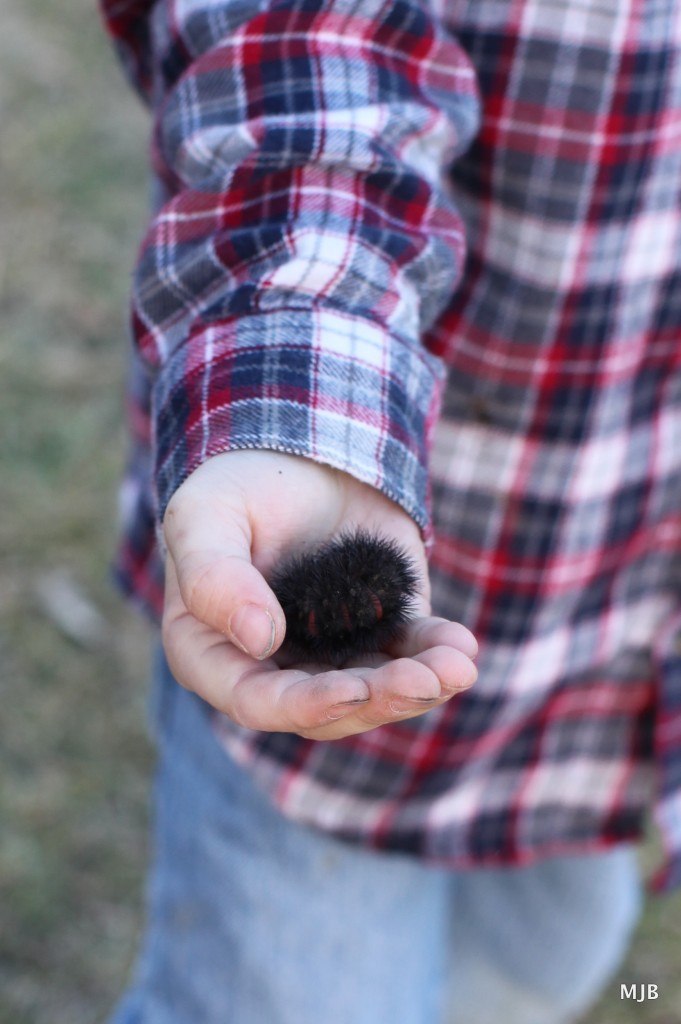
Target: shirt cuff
<point>311,382</point>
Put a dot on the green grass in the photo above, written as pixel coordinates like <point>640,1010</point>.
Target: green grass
<point>75,761</point>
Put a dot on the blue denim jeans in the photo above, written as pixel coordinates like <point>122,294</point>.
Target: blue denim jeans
<point>254,919</point>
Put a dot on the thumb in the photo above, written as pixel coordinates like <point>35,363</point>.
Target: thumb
<point>217,583</point>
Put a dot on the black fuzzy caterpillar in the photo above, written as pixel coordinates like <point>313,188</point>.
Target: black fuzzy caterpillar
<point>352,596</point>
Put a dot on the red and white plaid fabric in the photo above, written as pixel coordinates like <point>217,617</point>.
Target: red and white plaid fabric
<point>439,247</point>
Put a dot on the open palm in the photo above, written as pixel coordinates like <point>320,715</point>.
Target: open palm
<point>226,527</point>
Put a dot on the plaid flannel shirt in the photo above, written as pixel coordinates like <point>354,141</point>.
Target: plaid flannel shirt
<point>440,246</point>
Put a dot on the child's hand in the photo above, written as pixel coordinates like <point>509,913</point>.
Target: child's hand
<point>230,522</point>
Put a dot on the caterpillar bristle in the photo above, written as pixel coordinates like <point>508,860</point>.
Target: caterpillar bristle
<point>352,596</point>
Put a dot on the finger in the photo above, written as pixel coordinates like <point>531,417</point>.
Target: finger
<point>318,705</point>
<point>257,695</point>
<point>428,675</point>
<point>411,684</point>
<point>453,669</point>
<point>325,705</point>
<point>407,687</point>
<point>304,699</point>
<point>401,690</point>
<point>223,590</point>
<point>430,631</point>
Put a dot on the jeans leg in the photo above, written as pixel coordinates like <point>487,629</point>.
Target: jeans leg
<point>537,944</point>
<point>253,919</point>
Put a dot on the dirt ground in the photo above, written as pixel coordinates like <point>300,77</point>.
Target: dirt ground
<point>75,759</point>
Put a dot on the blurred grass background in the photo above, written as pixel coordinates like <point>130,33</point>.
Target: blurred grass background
<point>75,760</point>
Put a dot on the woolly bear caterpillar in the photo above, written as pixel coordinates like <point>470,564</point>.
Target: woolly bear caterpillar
<point>351,596</point>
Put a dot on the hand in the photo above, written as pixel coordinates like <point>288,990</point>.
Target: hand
<point>226,527</point>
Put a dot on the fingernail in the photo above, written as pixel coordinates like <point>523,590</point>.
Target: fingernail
<point>337,711</point>
<point>402,705</point>
<point>253,630</point>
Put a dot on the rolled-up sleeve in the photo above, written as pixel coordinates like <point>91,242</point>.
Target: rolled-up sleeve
<point>310,239</point>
